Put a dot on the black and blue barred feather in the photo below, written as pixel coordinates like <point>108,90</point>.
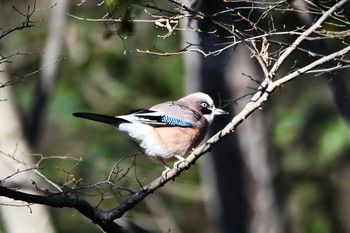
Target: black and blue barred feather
<point>173,121</point>
<point>155,118</point>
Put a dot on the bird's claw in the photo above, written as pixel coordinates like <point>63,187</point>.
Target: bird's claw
<point>177,164</point>
<point>165,173</point>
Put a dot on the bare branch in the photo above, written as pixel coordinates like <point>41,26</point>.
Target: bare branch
<point>62,200</point>
<point>303,36</point>
<point>21,78</point>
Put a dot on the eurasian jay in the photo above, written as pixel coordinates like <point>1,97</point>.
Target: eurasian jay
<point>167,130</point>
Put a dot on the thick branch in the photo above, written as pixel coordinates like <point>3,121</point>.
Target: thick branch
<point>60,201</point>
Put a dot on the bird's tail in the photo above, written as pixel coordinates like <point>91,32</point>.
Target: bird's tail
<point>112,120</point>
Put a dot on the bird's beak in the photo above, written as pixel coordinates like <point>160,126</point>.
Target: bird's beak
<point>218,111</point>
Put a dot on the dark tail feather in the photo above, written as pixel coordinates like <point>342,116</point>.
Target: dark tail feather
<point>112,120</point>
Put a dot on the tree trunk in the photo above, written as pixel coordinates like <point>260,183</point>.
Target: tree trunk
<point>34,218</point>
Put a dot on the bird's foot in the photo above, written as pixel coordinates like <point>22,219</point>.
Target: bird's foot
<point>177,164</point>
<point>165,172</point>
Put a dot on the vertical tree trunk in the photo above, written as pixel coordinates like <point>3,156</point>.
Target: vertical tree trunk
<point>253,138</point>
<point>47,77</point>
<point>32,219</point>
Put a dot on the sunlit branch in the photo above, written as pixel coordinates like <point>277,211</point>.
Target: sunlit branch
<point>303,36</point>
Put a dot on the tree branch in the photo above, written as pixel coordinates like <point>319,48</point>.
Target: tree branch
<point>303,36</point>
<point>63,200</point>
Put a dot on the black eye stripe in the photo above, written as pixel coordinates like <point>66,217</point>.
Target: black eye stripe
<point>205,111</point>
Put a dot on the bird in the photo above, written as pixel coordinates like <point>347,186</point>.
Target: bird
<point>168,130</point>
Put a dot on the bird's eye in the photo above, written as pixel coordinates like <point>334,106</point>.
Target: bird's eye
<point>205,108</point>
<point>205,104</point>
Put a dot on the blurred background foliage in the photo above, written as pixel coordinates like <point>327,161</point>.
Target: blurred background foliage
<point>107,75</point>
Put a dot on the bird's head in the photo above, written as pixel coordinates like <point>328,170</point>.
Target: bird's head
<point>204,104</point>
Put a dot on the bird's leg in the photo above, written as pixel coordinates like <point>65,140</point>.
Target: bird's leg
<point>165,172</point>
<point>167,169</point>
<point>176,164</point>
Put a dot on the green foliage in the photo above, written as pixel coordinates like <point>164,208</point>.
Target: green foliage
<point>311,139</point>
<point>332,141</point>
<point>308,209</point>
<point>309,131</point>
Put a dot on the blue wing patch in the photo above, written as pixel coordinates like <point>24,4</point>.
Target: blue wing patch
<point>156,118</point>
<point>173,121</point>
